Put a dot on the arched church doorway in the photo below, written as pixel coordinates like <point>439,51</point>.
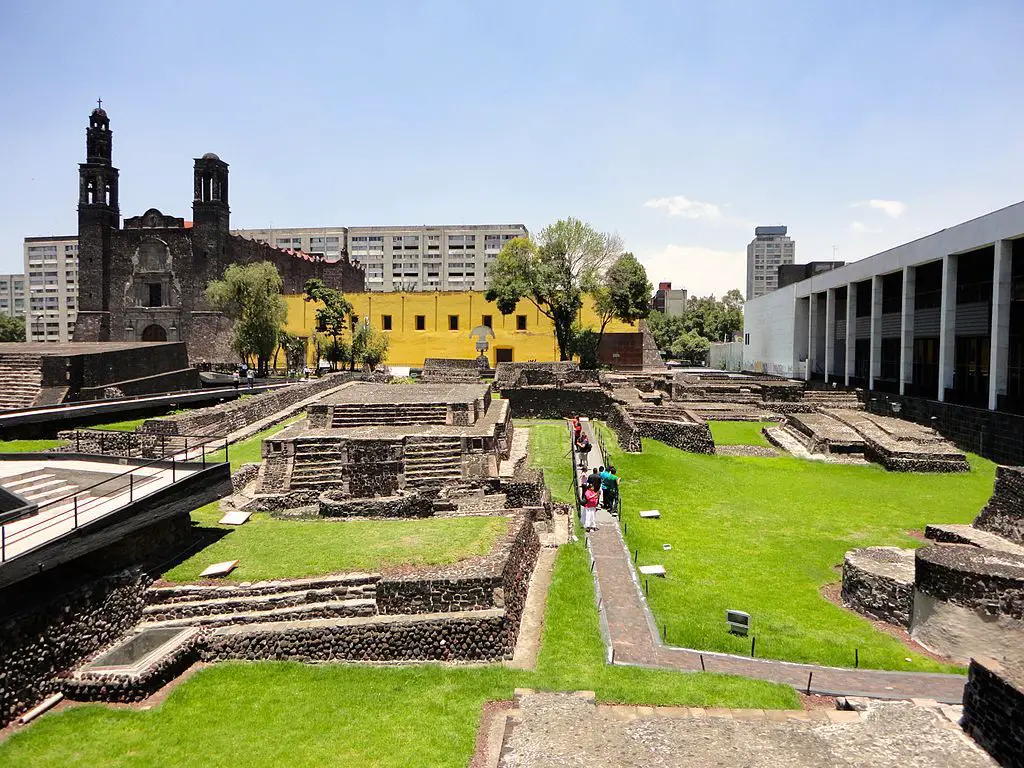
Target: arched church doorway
<point>154,333</point>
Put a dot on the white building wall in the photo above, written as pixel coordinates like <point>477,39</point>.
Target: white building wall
<point>770,331</point>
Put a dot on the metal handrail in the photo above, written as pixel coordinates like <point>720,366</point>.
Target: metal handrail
<point>78,507</point>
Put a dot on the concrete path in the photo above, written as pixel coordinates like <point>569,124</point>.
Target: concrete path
<point>633,639</point>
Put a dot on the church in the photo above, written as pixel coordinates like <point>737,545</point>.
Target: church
<point>145,280</point>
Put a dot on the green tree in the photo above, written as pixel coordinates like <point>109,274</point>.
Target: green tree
<point>12,328</point>
<point>622,293</point>
<point>250,295</point>
<point>554,272</point>
<point>585,344</point>
<point>665,328</point>
<point>294,349</point>
<point>369,346</point>
<point>690,348</point>
<point>333,318</point>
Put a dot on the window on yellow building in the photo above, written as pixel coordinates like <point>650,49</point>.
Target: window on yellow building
<point>421,322</point>
<point>520,322</point>
<point>453,322</point>
<point>385,322</point>
<point>488,321</point>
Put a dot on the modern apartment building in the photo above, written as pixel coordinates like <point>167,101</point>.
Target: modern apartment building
<point>769,250</point>
<point>12,295</point>
<point>51,271</point>
<point>423,258</point>
<point>669,300</point>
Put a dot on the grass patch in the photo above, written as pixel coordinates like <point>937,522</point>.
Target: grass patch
<point>740,432</point>
<point>28,446</point>
<point>269,548</point>
<point>248,451</point>
<point>296,715</point>
<point>128,425</point>
<point>764,535</point>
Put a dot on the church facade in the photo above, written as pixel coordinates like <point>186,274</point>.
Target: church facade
<point>145,280</point>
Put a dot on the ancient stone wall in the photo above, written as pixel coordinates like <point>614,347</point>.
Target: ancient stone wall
<point>971,577</point>
<point>452,370</point>
<point>399,505</point>
<point>225,418</point>
<point>38,645</point>
<point>994,709</point>
<point>471,586</point>
<point>559,402</point>
<point>507,375</point>
<point>625,429</point>
<point>879,582</point>
<point>687,436</point>
<point>1004,513</point>
<point>171,381</point>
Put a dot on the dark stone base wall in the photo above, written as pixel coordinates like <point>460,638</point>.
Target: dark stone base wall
<point>691,437</point>
<point>874,453</point>
<point>996,435</point>
<point>125,689</point>
<point>171,381</point>
<point>955,573</point>
<point>1004,513</point>
<point>38,645</point>
<point>876,596</point>
<point>994,710</point>
<point>458,638</point>
<point>625,429</point>
<point>404,505</point>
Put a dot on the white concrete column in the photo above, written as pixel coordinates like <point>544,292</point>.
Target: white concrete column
<point>812,334</point>
<point>830,332</point>
<point>907,328</point>
<point>875,359</point>
<point>947,325</point>
<point>851,329</point>
<point>998,359</point>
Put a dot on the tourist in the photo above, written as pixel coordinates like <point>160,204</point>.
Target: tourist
<point>609,488</point>
<point>590,509</point>
<point>235,377</point>
<point>583,449</point>
<point>250,377</point>
<point>584,483</point>
<point>594,480</point>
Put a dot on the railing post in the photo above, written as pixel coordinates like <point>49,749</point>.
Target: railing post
<point>101,443</point>
<point>78,439</point>
<point>226,457</point>
<point>173,468</point>
<point>131,488</point>
<point>186,447</point>
<point>76,510</point>
<point>3,544</point>
<point>203,449</point>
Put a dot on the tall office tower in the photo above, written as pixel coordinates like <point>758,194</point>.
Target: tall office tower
<point>769,249</point>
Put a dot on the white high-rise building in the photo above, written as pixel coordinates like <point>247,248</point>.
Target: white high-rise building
<point>769,249</point>
<point>12,295</point>
<point>418,258</point>
<point>51,269</point>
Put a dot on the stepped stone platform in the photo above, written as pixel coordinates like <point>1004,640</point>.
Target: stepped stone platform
<point>41,373</point>
<point>879,582</point>
<point>385,442</point>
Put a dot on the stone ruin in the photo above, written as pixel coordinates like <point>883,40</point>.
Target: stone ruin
<point>839,434</point>
<point>387,450</point>
<point>440,370</point>
<point>962,596</point>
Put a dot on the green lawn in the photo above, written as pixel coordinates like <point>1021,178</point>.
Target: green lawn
<point>269,548</point>
<point>248,451</point>
<point>739,432</point>
<point>27,446</point>
<point>238,715</point>
<point>128,425</point>
<point>764,535</point>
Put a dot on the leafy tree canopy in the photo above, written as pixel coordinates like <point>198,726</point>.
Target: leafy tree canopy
<point>12,328</point>
<point>250,294</point>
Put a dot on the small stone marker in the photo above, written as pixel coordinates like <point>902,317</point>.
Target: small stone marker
<point>666,547</point>
<point>650,514</point>
<point>235,517</point>
<point>652,570</point>
<point>220,569</point>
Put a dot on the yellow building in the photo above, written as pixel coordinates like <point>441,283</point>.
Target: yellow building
<point>422,325</point>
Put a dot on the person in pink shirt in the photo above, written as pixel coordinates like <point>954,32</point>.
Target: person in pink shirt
<point>590,499</point>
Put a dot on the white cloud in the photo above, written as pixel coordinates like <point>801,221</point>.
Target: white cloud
<point>891,208</point>
<point>678,205</point>
<point>860,228</point>
<point>698,269</point>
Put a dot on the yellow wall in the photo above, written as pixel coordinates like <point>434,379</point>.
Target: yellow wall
<point>410,346</point>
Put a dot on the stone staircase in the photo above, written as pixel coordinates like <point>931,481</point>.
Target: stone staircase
<point>318,464</point>
<point>432,461</point>
<point>20,380</point>
<point>833,399</point>
<point>324,597</point>
<point>387,414</point>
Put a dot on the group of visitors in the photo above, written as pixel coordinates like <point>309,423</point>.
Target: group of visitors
<point>599,487</point>
<point>247,372</point>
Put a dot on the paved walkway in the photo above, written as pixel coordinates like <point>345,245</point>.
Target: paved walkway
<point>632,637</point>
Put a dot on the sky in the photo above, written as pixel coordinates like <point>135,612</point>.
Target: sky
<point>678,125</point>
